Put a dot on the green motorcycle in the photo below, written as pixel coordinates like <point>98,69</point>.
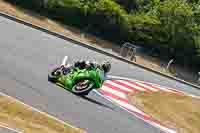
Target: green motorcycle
<point>79,80</point>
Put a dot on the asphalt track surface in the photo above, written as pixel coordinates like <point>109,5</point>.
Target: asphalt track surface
<point>25,56</point>
<point>6,130</point>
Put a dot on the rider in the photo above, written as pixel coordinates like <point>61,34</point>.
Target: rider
<point>87,64</point>
<point>106,66</point>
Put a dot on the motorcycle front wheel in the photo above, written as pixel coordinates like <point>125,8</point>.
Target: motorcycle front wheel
<point>83,87</point>
<point>54,75</point>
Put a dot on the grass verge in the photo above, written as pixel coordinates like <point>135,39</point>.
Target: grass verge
<point>176,111</point>
<point>14,114</point>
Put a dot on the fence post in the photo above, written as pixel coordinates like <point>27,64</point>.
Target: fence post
<point>133,56</point>
<point>169,63</point>
<point>198,77</point>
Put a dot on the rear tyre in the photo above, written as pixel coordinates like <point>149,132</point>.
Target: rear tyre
<point>83,87</point>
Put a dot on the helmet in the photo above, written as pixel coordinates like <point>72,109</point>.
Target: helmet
<point>77,64</point>
<point>106,66</point>
<point>82,64</point>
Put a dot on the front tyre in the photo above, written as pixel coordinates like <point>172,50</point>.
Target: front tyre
<point>54,75</point>
<point>83,87</point>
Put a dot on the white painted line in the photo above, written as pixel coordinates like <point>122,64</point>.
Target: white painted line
<point>119,86</point>
<point>146,86</point>
<point>132,85</point>
<point>112,91</point>
<point>167,130</point>
<point>164,87</point>
<point>11,129</point>
<point>129,106</point>
<point>136,87</point>
<point>139,88</point>
<point>44,113</point>
<point>117,77</point>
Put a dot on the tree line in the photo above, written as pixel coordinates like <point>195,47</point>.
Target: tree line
<point>170,26</point>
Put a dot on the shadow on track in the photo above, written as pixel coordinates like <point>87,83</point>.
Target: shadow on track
<point>88,99</point>
<point>96,102</point>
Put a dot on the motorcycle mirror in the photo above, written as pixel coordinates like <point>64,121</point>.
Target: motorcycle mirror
<point>64,61</point>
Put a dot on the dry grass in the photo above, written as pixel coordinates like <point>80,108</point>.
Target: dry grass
<point>15,115</point>
<point>179,112</point>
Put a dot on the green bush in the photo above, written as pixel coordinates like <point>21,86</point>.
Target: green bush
<point>32,4</point>
<point>111,19</point>
<point>172,26</point>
